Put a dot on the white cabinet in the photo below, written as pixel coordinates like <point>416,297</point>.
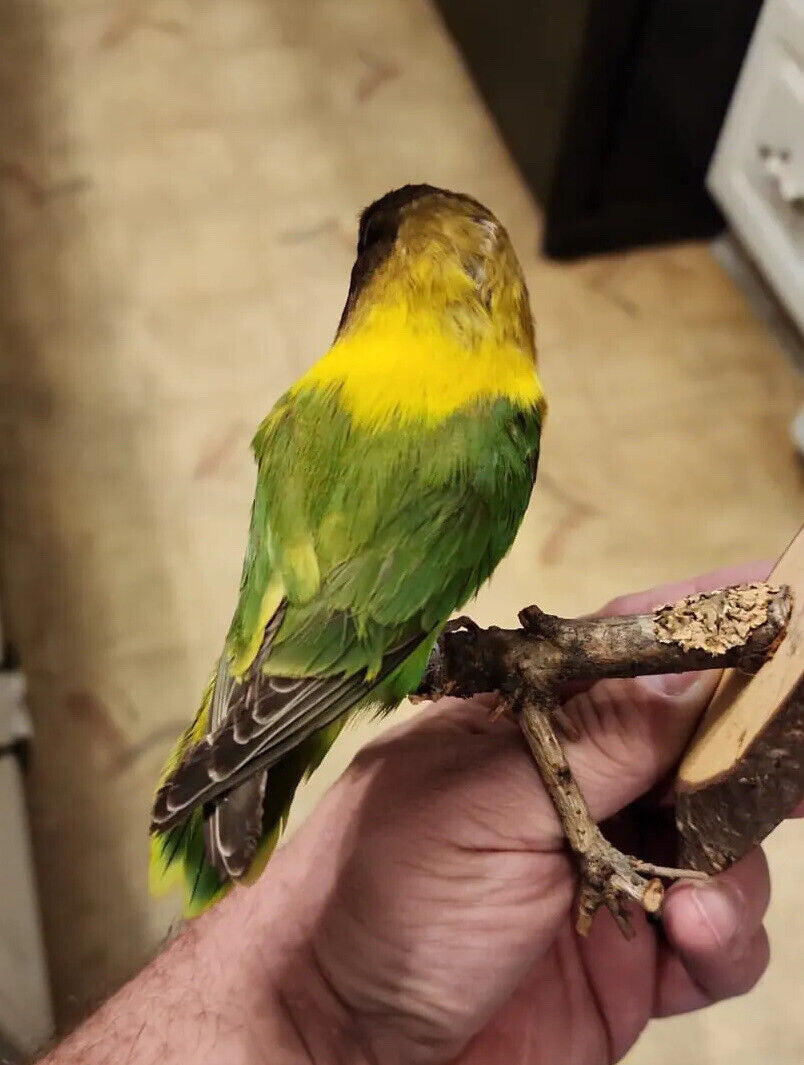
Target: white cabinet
<point>757,172</point>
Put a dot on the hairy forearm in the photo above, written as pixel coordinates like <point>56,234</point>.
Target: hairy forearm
<point>194,1003</point>
<point>234,988</point>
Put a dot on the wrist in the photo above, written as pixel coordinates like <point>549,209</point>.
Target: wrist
<point>243,984</point>
<point>295,898</point>
<point>288,998</point>
<point>310,1015</point>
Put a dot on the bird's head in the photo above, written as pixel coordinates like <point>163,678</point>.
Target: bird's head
<point>443,254</point>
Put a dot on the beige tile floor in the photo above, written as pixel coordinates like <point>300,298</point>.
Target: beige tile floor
<point>178,187</point>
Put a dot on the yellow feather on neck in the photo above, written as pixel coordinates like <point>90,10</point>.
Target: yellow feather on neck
<point>425,356</point>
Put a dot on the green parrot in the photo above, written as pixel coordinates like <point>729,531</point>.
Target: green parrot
<point>391,480</point>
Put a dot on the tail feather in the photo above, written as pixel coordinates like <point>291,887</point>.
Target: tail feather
<point>234,826</point>
<point>179,861</point>
<point>222,827</point>
<point>179,856</point>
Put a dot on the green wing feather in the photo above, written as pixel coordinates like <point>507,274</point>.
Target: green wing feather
<point>366,543</point>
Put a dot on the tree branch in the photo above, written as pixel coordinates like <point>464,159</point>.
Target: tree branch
<point>737,627</point>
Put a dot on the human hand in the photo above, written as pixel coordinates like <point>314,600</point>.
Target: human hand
<point>438,891</point>
<point>423,913</point>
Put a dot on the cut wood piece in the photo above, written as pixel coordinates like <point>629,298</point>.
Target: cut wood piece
<point>743,773</point>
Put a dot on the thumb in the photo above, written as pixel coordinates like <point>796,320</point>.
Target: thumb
<point>632,734</point>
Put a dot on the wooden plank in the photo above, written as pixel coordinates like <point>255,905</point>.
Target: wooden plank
<point>743,772</point>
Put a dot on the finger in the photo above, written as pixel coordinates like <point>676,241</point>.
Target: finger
<point>632,734</point>
<point>715,931</point>
<point>642,602</point>
<point>709,920</point>
<point>678,991</point>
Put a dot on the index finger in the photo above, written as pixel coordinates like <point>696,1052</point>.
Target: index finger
<point>643,602</point>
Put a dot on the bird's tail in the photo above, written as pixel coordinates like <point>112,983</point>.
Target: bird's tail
<point>180,856</point>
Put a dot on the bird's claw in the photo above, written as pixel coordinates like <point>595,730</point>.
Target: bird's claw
<point>461,624</point>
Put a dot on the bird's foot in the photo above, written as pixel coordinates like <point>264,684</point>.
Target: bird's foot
<point>461,624</point>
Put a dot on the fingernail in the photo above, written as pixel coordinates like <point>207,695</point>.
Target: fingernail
<point>721,909</point>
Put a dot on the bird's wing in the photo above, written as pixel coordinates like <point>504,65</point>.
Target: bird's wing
<point>262,726</point>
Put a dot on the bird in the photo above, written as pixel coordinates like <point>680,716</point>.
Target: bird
<point>392,478</point>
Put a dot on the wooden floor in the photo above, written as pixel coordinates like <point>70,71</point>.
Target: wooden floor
<point>178,184</point>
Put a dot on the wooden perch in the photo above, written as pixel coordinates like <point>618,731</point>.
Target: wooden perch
<point>737,627</point>
<point>744,770</point>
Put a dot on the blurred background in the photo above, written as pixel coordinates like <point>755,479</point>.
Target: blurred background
<point>179,184</point>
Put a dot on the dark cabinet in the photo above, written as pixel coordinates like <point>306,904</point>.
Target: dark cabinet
<point>611,107</point>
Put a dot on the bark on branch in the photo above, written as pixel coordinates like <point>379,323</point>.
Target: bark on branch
<point>735,627</point>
